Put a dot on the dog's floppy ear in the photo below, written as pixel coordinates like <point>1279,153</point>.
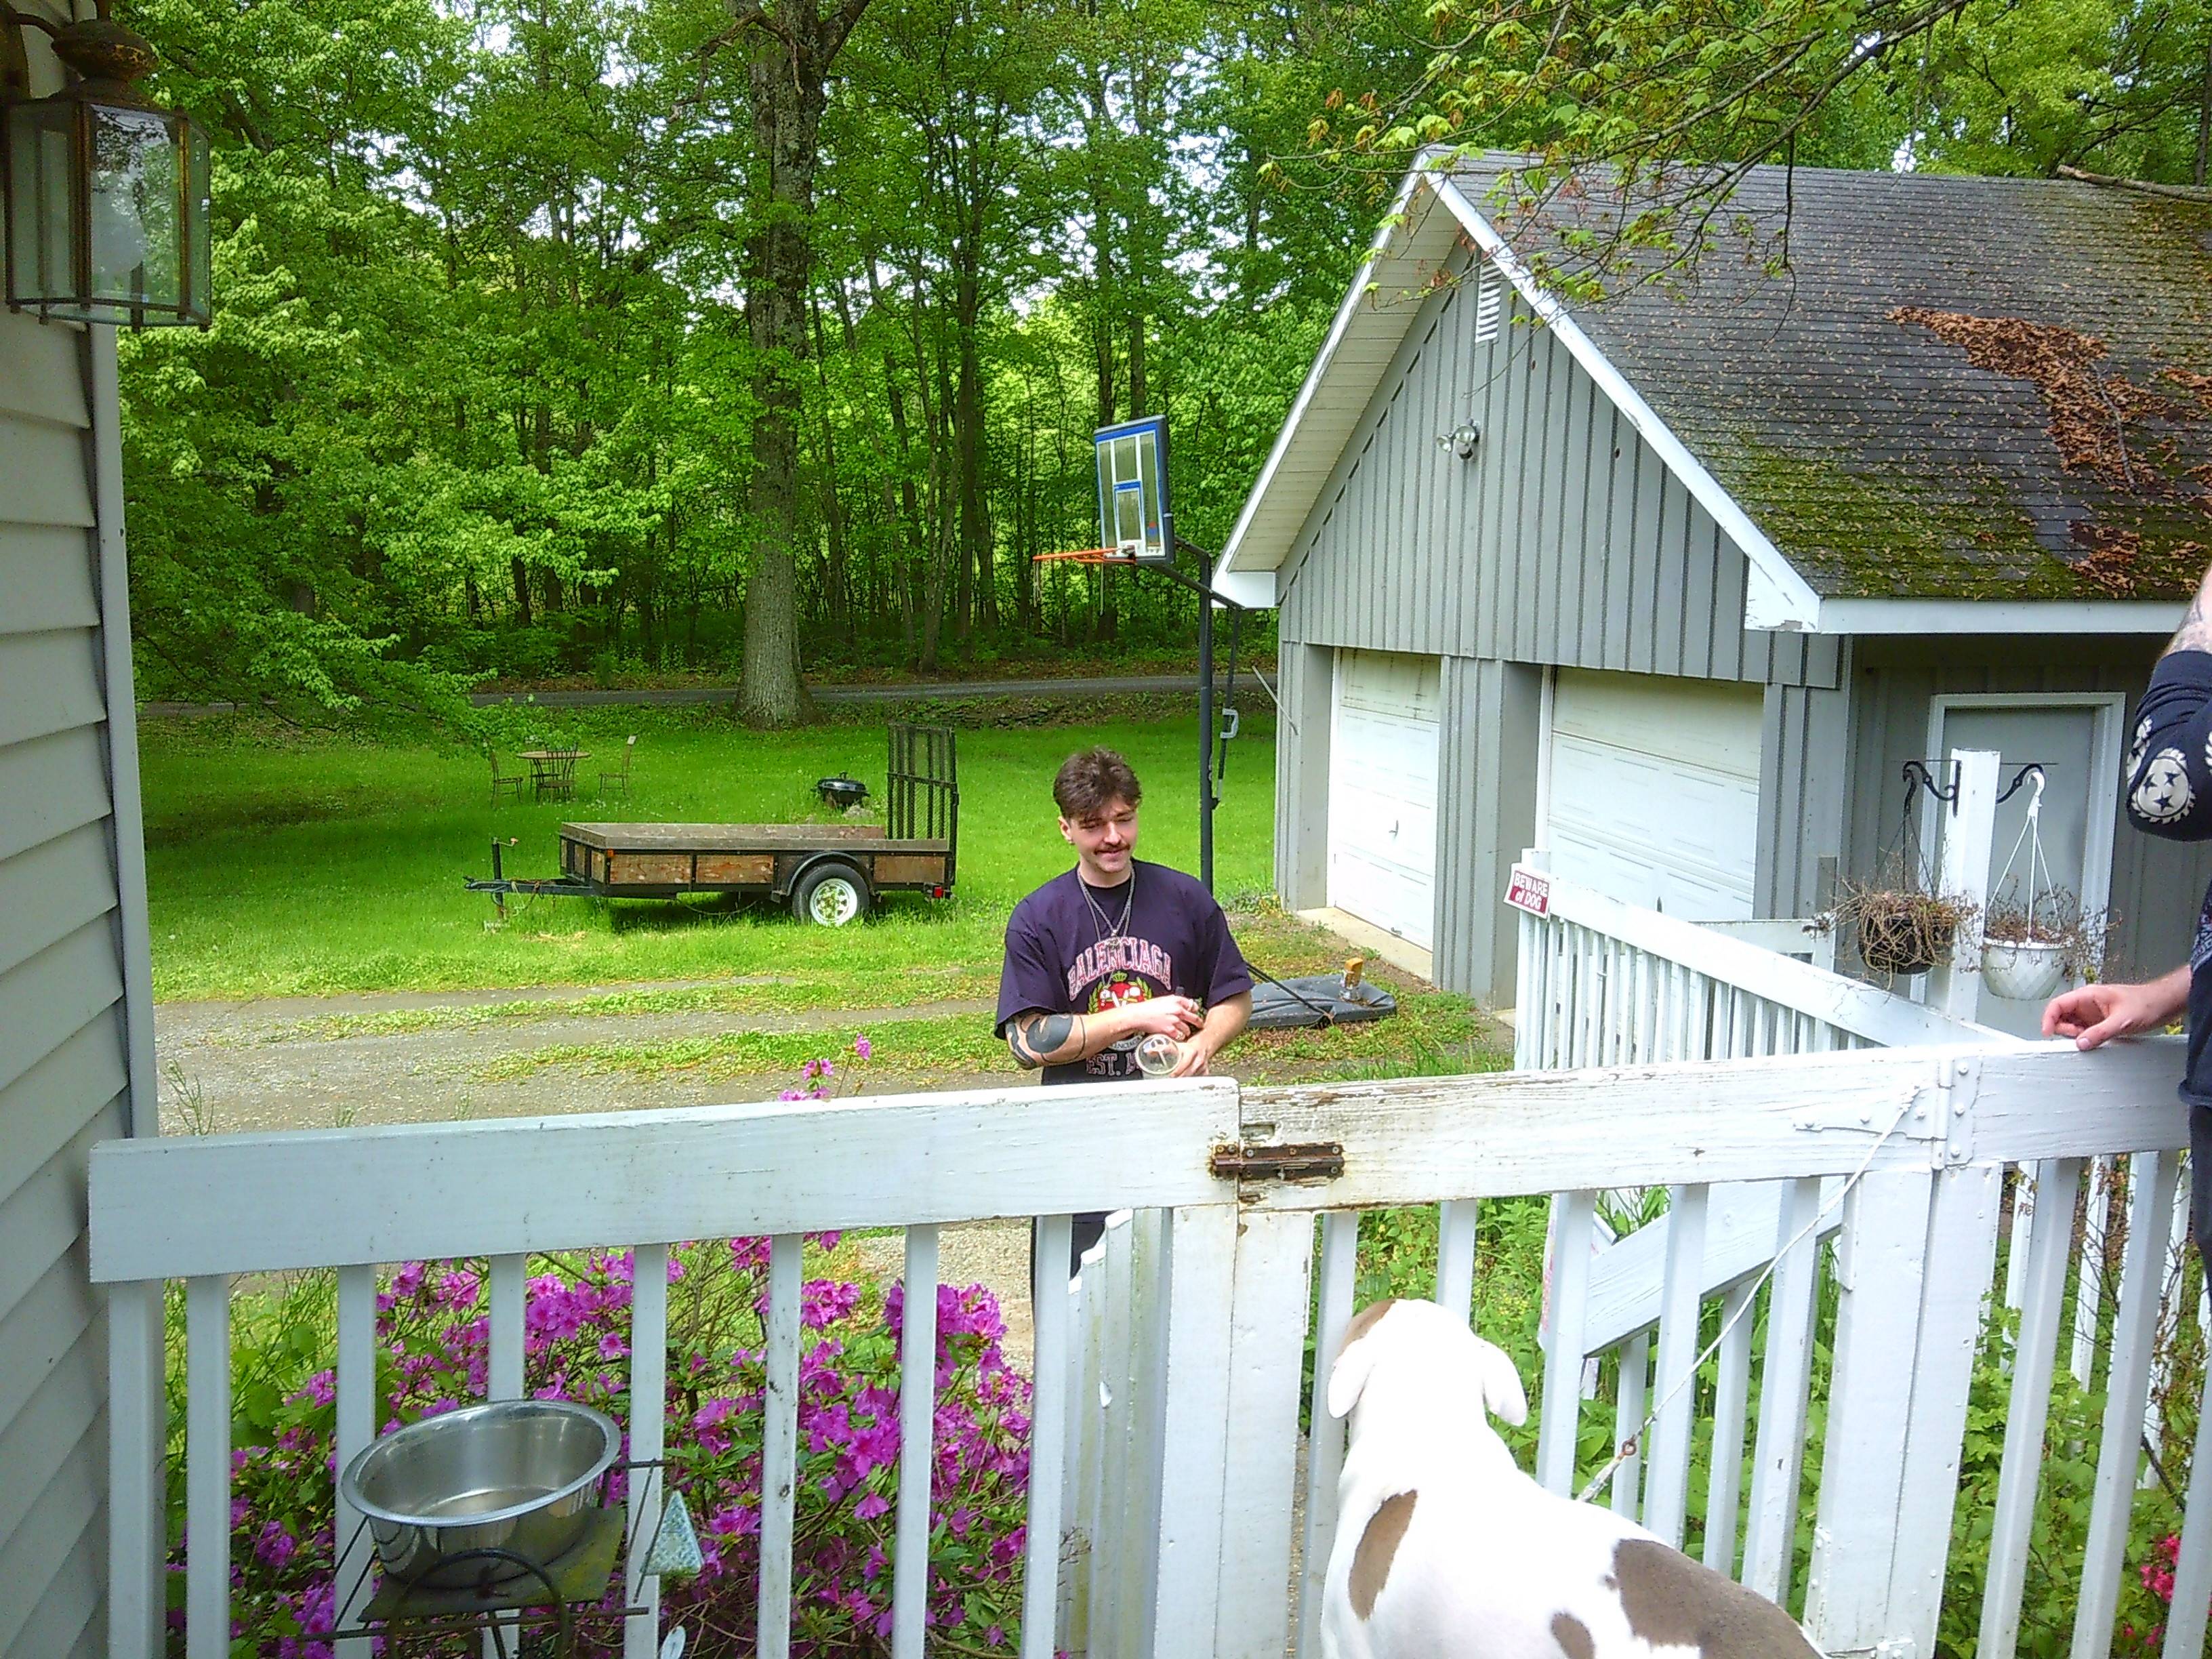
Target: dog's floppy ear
<point>1355,1360</point>
<point>1502,1393</point>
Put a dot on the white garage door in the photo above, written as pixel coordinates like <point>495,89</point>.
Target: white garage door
<point>1654,791</point>
<point>1382,791</point>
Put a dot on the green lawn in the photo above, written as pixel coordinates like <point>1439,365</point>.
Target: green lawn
<point>286,864</point>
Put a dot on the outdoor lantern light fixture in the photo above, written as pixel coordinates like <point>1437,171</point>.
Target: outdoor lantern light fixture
<point>106,194</point>
<point>1462,439</point>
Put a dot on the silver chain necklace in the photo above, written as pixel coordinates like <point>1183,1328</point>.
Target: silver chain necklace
<point>1110,929</point>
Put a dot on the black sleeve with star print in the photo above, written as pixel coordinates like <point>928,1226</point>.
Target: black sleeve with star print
<point>2169,781</point>
<point>2169,794</point>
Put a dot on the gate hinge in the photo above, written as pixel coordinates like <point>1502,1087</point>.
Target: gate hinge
<point>1937,1110</point>
<point>1311,1160</point>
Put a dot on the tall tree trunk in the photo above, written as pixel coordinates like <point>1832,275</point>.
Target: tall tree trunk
<point>2205,112</point>
<point>793,49</point>
<point>1139,394</point>
<point>833,510</point>
<point>520,571</point>
<point>907,520</point>
<point>969,440</point>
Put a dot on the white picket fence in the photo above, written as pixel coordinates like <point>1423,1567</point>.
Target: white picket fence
<point>1167,1435</point>
<point>1615,989</point>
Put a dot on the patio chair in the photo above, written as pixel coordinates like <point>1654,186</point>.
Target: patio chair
<point>619,779</point>
<point>507,783</point>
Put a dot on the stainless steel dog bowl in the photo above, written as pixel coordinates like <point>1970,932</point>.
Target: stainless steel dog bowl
<point>517,1475</point>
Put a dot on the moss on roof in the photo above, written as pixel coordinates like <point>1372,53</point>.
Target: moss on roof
<point>1959,388</point>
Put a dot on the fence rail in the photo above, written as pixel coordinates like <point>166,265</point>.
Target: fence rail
<point>1169,1383</point>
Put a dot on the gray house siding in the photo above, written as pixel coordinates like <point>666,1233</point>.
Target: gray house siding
<point>1486,814</point>
<point>2157,885</point>
<point>1564,541</point>
<point>1306,683</point>
<point>75,992</point>
<point>1804,794</point>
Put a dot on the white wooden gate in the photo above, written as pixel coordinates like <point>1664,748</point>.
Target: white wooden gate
<point>1170,1484</point>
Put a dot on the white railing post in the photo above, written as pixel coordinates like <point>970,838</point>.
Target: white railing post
<point>779,1446</point>
<point>207,1467</point>
<point>1195,1447</point>
<point>2042,1295</point>
<point>2021,1244</point>
<point>1969,824</point>
<point>1148,1370</point>
<point>649,1405</point>
<point>1881,1269</point>
<point>1626,1495</point>
<point>2193,1571</point>
<point>358,1413</point>
<point>506,1298</point>
<point>138,1459</point>
<point>1339,1262</point>
<point>1049,1300</point>
<point>1565,1308</point>
<point>1962,1243</point>
<point>2127,1390</point>
<point>2090,1276</point>
<point>1778,1453</point>
<point>1667,1488</point>
<point>917,1422</point>
<point>1731,1405</point>
<point>1455,1242</point>
<point>1267,1356</point>
<point>1109,1532</point>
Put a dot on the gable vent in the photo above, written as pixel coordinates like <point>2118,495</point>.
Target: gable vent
<point>1489,303</point>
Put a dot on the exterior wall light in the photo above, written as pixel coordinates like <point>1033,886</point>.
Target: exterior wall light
<point>1462,439</point>
<point>107,193</point>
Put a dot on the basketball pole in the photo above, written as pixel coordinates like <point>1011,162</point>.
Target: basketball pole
<point>1208,799</point>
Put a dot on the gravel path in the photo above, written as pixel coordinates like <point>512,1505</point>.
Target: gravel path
<point>251,1065</point>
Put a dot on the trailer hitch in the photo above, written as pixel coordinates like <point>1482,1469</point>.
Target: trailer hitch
<point>1297,1161</point>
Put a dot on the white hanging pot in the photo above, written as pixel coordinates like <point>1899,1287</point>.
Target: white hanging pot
<point>2026,970</point>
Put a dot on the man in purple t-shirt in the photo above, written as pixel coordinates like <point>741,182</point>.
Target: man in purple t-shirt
<point>1115,951</point>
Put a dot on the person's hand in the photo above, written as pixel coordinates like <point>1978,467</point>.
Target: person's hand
<point>1172,1017</point>
<point>1193,1061</point>
<point>2092,1015</point>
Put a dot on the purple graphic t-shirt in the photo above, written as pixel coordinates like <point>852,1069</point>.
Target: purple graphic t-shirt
<point>1061,959</point>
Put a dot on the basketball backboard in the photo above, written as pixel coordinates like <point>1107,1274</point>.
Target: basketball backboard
<point>1133,515</point>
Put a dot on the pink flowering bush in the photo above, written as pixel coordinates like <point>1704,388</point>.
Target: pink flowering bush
<point>432,1351</point>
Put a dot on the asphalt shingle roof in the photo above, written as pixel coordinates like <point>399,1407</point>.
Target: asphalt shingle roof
<point>1891,447</point>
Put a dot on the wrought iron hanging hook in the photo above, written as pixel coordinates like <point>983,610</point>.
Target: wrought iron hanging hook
<point>2031,769</point>
<point>1918,776</point>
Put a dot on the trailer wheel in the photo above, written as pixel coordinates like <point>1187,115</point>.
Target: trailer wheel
<point>830,895</point>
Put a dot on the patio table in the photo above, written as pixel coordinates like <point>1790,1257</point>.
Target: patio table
<point>553,771</point>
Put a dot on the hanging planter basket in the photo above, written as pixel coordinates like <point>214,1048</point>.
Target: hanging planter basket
<point>2025,970</point>
<point>1904,933</point>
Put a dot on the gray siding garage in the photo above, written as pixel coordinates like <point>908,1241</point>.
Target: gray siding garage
<point>1694,572</point>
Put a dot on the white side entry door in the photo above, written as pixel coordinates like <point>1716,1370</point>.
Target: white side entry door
<point>1383,734</point>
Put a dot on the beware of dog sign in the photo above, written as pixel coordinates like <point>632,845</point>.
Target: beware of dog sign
<point>1530,891</point>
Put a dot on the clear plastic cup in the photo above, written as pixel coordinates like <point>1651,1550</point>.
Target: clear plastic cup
<point>1156,1054</point>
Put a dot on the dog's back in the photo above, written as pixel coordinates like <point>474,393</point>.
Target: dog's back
<point>1445,1548</point>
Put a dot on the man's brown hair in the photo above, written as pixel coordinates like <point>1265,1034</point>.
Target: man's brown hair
<point>1090,778</point>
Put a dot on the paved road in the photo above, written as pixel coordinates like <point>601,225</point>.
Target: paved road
<point>828,696</point>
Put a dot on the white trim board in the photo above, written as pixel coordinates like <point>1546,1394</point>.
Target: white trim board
<point>1775,596</point>
<point>1366,335</point>
<point>2000,616</point>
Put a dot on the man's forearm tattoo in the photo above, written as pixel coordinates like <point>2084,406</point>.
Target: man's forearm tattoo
<point>1036,1039</point>
<point>2196,631</point>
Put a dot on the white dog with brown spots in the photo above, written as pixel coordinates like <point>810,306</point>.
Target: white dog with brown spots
<point>1445,1549</point>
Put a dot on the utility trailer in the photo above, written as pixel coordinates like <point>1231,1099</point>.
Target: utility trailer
<point>828,873</point>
